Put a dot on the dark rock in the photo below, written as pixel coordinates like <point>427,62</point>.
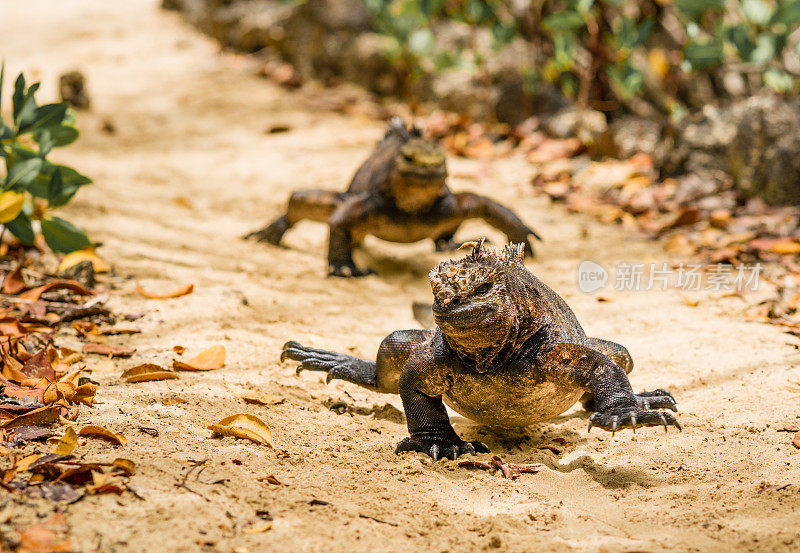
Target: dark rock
<point>82,272</point>
<point>72,87</point>
<point>755,141</point>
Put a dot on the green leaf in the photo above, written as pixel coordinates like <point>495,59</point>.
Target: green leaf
<point>694,9</point>
<point>631,35</point>
<point>564,45</point>
<point>777,80</point>
<point>21,228</point>
<point>756,11</point>
<point>788,13</point>
<point>22,173</point>
<point>64,237</point>
<point>45,141</point>
<point>703,55</point>
<point>63,135</point>
<point>55,187</point>
<point>71,178</point>
<point>18,151</point>
<point>24,102</point>
<point>45,116</point>
<point>18,96</point>
<point>739,36</point>
<point>60,193</point>
<point>563,21</point>
<point>627,78</point>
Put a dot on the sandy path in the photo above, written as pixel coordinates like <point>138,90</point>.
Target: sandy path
<point>190,124</point>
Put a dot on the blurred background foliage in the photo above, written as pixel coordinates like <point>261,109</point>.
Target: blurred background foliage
<point>644,56</point>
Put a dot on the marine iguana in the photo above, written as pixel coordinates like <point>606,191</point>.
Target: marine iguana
<point>507,351</point>
<point>398,194</point>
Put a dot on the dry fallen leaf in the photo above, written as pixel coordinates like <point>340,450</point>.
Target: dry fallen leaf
<point>259,398</point>
<point>72,259</point>
<point>173,400</point>
<point>67,442</point>
<point>94,431</point>
<point>147,372</point>
<point>271,479</point>
<point>243,425</point>
<point>35,293</point>
<point>103,349</point>
<point>212,358</point>
<point>783,246</point>
<point>38,417</point>
<point>258,529</point>
<point>14,283</point>
<point>25,462</point>
<point>125,465</point>
<point>796,440</point>
<point>182,291</point>
<point>689,301</point>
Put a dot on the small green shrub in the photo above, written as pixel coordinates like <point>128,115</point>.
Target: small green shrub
<point>33,186</point>
<point>661,55</point>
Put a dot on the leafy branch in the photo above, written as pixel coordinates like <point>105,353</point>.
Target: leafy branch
<point>33,186</point>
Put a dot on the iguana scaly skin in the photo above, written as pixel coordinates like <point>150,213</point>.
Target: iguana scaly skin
<point>398,194</point>
<point>506,351</point>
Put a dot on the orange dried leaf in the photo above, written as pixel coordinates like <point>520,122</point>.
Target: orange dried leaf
<point>174,294</point>
<point>245,426</point>
<point>796,440</point>
<point>10,326</point>
<point>212,358</point>
<point>35,293</point>
<point>14,283</point>
<point>783,246</point>
<point>689,301</point>
<point>125,465</point>
<point>258,398</point>
<point>147,372</point>
<point>42,416</point>
<point>67,442</point>
<point>173,400</point>
<point>94,431</point>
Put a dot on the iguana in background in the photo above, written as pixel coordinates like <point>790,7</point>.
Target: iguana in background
<point>506,351</point>
<point>398,194</point>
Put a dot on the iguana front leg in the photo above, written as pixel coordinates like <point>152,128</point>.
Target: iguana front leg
<point>340,243</point>
<point>422,385</point>
<point>616,406</point>
<point>473,206</point>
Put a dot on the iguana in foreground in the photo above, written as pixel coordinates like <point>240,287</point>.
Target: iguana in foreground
<point>507,351</point>
<point>398,194</point>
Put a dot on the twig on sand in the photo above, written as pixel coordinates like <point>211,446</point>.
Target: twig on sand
<point>509,470</point>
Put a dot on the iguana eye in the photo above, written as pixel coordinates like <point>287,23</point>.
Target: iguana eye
<point>408,157</point>
<point>483,288</point>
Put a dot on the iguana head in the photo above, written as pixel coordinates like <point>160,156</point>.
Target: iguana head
<point>477,300</point>
<point>419,174</point>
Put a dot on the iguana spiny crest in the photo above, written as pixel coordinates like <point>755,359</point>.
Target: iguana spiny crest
<point>474,273</point>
